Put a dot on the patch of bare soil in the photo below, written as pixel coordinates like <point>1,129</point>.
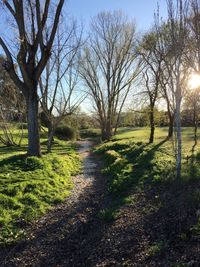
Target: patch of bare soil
<point>73,235</point>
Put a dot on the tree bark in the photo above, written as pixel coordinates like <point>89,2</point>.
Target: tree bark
<point>108,130</point>
<point>50,138</point>
<point>103,134</point>
<point>195,134</point>
<point>152,125</point>
<point>171,126</point>
<point>33,123</point>
<point>195,122</point>
<point>106,133</point>
<point>179,140</point>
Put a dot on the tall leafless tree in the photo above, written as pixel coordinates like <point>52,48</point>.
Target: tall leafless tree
<point>166,83</point>
<point>168,96</point>
<point>175,64</point>
<point>193,24</point>
<point>30,18</point>
<point>172,36</point>
<point>59,97</point>
<point>109,67</point>
<point>152,62</point>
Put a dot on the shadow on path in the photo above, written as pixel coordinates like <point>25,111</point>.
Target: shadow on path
<point>66,235</point>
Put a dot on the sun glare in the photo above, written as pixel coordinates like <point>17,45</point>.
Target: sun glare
<point>194,81</point>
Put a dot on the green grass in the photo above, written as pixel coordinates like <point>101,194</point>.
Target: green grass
<point>31,186</point>
<point>133,165</point>
<point>142,135</point>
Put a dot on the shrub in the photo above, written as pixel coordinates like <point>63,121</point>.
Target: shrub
<point>90,133</point>
<point>66,132</point>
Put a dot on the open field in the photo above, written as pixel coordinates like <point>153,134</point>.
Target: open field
<point>30,186</point>
<point>142,135</point>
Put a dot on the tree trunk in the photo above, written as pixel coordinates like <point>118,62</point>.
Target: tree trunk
<point>195,122</point>
<point>108,130</point>
<point>171,126</point>
<point>33,124</point>
<point>106,134</point>
<point>103,135</point>
<point>195,134</point>
<point>50,138</point>
<point>152,125</point>
<point>179,141</point>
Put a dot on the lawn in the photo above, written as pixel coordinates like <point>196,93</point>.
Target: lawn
<point>31,186</point>
<point>136,167</point>
<point>142,135</point>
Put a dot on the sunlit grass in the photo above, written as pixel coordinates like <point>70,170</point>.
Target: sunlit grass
<point>142,135</point>
<point>30,186</point>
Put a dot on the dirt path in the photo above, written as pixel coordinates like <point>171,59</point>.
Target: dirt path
<point>60,237</point>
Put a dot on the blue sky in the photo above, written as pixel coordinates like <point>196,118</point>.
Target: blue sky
<point>140,10</point>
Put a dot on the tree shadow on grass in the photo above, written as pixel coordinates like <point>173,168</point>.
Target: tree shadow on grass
<point>141,158</point>
<point>165,214</point>
<point>14,162</point>
<point>5,150</point>
<point>74,235</point>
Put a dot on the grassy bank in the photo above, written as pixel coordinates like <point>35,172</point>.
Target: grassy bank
<point>136,168</point>
<point>31,186</point>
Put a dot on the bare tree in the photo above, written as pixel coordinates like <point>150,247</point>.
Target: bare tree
<point>172,38</point>
<point>163,50</point>
<point>30,19</point>
<point>109,67</point>
<point>152,62</point>
<point>169,97</point>
<point>175,64</point>
<point>193,24</point>
<point>59,80</point>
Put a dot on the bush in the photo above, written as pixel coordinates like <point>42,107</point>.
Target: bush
<point>66,133</point>
<point>90,133</point>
